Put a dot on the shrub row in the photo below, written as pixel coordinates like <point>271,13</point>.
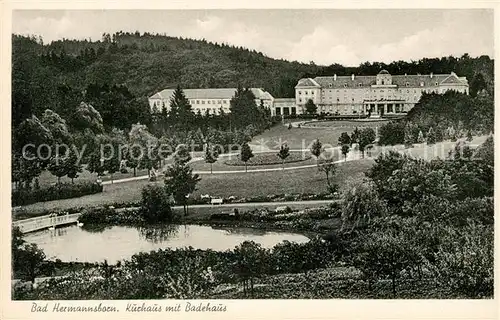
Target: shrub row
<point>56,192</point>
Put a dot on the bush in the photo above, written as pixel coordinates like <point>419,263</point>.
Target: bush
<point>155,206</point>
<point>22,197</point>
<point>110,216</point>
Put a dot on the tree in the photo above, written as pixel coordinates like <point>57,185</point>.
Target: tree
<point>283,154</point>
<point>345,150</point>
<point>311,108</point>
<point>431,136</point>
<point>392,133</point>
<point>345,143</point>
<point>73,166</point>
<point>420,138</point>
<point>57,126</point>
<point>181,112</point>
<point>464,261</point>
<point>24,170</point>
<point>355,136</point>
<point>244,110</point>
<point>246,154</point>
<point>408,136</point>
<point>142,147</point>
<point>250,263</point>
<point>366,138</point>
<point>384,254</point>
<point>329,168</point>
<point>155,204</point>
<point>182,155</point>
<point>27,258</point>
<point>211,155</point>
<point>361,204</point>
<point>316,150</point>
<point>469,135</point>
<point>57,166</point>
<point>180,182</point>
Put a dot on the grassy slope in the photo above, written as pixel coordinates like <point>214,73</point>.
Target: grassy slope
<point>328,132</point>
<point>238,184</point>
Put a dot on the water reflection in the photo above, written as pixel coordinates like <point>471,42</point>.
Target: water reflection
<point>240,231</point>
<point>114,243</point>
<point>160,233</point>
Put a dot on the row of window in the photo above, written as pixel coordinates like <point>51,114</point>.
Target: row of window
<point>210,110</point>
<point>306,92</point>
<point>192,102</point>
<point>360,85</point>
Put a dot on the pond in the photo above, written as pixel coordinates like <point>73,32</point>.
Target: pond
<point>115,243</point>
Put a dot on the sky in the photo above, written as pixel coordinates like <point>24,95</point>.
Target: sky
<point>325,36</point>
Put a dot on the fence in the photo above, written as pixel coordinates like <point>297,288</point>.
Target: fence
<point>38,223</point>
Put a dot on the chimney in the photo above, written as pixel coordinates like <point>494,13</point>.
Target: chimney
<point>405,74</point>
<point>431,75</point>
<point>352,77</point>
<point>335,77</point>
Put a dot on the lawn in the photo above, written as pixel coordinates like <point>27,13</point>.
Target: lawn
<point>302,138</point>
<point>307,180</point>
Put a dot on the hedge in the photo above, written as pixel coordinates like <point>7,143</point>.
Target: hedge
<point>56,192</point>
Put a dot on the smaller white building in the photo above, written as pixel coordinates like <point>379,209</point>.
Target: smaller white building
<point>210,100</point>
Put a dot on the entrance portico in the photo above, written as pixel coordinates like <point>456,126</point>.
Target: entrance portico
<point>378,108</point>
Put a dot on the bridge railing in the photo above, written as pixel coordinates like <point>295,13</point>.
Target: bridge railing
<point>43,222</point>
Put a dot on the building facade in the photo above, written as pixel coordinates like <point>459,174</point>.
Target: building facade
<point>374,96</point>
<point>210,101</point>
<point>284,106</point>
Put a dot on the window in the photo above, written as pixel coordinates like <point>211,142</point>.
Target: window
<point>360,84</point>
<point>197,101</point>
<point>345,85</point>
<point>202,101</point>
<point>407,84</point>
<point>329,85</point>
<point>312,92</point>
<point>300,92</point>
<point>208,102</point>
<point>300,100</point>
<point>436,83</point>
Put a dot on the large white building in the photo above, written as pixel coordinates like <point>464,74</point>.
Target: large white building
<point>207,100</point>
<point>376,96</point>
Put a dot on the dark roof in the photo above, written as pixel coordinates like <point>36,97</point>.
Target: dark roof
<point>399,80</point>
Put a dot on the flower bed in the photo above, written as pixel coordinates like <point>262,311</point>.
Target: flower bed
<point>262,159</point>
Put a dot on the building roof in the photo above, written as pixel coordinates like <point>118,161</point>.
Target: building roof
<point>428,80</point>
<point>307,82</point>
<point>210,93</point>
<point>384,72</point>
<point>284,100</point>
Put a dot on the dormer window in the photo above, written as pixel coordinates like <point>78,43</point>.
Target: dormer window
<point>345,85</point>
<point>421,83</point>
<point>360,84</point>
<point>407,84</point>
<point>436,83</point>
<point>329,85</point>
